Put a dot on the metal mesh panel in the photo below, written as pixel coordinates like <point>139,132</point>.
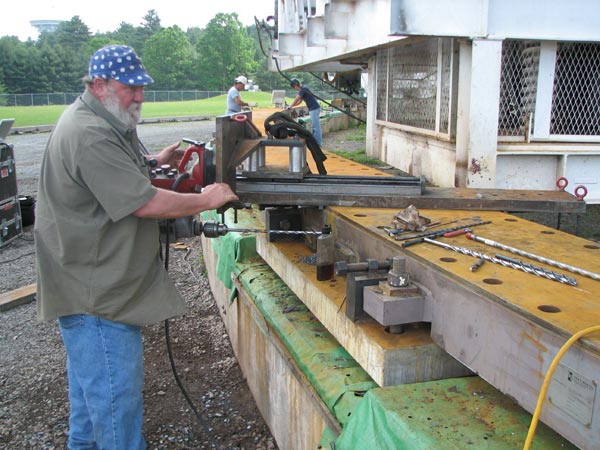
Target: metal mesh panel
<point>518,86</point>
<point>382,78</point>
<point>576,96</point>
<point>413,84</point>
<point>407,84</point>
<point>446,85</point>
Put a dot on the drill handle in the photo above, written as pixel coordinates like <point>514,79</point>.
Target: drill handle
<point>196,147</point>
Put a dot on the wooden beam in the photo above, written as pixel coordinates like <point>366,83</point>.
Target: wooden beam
<point>17,297</point>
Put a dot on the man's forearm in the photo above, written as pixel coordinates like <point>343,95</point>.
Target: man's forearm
<point>171,205</point>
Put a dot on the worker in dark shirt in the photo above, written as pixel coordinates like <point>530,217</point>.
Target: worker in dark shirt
<point>314,109</point>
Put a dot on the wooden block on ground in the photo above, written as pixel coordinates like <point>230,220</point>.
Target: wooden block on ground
<point>17,297</point>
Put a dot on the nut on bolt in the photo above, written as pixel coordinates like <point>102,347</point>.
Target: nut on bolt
<point>341,268</point>
<point>397,275</point>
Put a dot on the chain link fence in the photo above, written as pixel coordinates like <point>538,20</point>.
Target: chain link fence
<point>66,98</point>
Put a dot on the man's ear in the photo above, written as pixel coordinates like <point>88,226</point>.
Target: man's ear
<point>99,87</point>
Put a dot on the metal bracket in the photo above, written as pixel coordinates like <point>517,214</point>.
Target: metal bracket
<point>355,284</point>
<point>287,219</point>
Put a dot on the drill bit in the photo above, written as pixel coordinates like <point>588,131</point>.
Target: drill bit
<point>509,262</point>
<point>477,265</point>
<point>212,228</point>
<point>438,233</point>
<point>260,230</point>
<point>542,259</point>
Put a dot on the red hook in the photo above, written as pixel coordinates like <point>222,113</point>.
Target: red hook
<point>240,118</point>
<point>562,183</point>
<point>583,194</point>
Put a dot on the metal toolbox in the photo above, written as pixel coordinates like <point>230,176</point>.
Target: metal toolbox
<point>10,220</point>
<point>8,173</point>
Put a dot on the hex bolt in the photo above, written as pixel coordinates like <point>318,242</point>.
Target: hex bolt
<point>397,275</point>
<point>396,329</point>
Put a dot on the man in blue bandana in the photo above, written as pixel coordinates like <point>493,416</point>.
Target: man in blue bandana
<point>98,251</point>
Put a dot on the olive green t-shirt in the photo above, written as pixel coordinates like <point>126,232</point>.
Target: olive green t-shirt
<point>93,255</point>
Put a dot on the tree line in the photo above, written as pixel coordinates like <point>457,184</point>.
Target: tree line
<point>195,59</point>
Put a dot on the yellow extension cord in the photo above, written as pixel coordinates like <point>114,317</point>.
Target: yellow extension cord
<point>540,402</point>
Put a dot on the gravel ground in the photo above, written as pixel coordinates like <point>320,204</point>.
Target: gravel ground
<point>33,402</point>
<point>33,399</point>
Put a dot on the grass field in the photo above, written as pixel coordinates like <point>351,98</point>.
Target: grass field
<point>26,116</point>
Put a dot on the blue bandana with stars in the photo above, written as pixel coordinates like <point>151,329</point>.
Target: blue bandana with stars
<point>120,63</point>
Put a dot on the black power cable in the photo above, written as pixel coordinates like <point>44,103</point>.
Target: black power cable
<point>281,126</point>
<point>321,99</point>
<point>333,86</point>
<point>182,388</point>
<point>264,27</point>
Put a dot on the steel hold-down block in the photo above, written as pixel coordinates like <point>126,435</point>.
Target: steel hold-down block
<point>396,309</point>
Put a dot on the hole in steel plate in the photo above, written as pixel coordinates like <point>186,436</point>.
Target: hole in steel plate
<point>547,232</point>
<point>593,247</point>
<point>360,215</point>
<point>448,259</point>
<point>549,308</point>
<point>511,220</point>
<point>492,281</point>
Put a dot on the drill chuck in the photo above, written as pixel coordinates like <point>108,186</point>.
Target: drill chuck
<point>213,229</point>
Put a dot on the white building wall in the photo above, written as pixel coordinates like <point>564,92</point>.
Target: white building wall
<point>419,155</point>
<point>344,34</point>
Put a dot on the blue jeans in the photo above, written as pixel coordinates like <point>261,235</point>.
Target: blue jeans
<point>316,125</point>
<point>105,370</point>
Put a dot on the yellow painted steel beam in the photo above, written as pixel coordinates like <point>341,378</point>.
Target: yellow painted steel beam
<point>565,308</point>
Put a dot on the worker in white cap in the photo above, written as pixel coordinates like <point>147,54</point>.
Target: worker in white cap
<point>234,100</point>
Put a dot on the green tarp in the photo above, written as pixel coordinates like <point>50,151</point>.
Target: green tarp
<point>337,378</point>
<point>457,413</point>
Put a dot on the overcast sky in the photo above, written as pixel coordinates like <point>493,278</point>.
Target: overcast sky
<point>106,15</point>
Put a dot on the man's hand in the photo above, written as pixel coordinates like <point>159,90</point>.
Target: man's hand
<point>170,155</point>
<point>217,195</point>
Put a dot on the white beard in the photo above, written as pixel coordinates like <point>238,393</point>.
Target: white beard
<point>129,116</point>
